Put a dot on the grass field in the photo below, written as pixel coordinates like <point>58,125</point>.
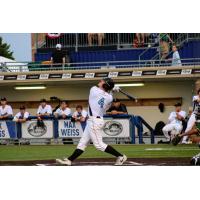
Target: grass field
<point>22,153</point>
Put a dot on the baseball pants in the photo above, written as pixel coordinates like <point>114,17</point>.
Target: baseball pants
<point>175,129</point>
<point>190,124</point>
<point>93,132</point>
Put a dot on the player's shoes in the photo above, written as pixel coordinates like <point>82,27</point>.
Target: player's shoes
<point>120,160</point>
<point>64,161</point>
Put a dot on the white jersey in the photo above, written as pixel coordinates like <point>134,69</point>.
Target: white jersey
<point>7,110</point>
<point>46,109</point>
<point>172,117</point>
<point>19,115</point>
<point>66,111</point>
<point>99,101</point>
<point>83,113</point>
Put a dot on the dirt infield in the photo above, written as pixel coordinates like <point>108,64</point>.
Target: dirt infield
<point>105,162</point>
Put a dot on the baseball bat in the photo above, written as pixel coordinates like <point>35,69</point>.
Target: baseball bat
<point>128,95</point>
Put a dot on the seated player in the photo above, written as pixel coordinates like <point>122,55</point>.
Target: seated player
<point>174,127</point>
<point>5,110</point>
<point>44,109</point>
<point>63,111</point>
<point>80,115</point>
<point>21,116</point>
<point>117,108</point>
<point>192,119</point>
<point>193,134</point>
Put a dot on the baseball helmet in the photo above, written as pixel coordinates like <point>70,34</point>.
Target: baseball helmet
<point>109,84</point>
<point>195,160</point>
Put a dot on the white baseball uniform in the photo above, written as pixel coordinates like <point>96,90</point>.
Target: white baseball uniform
<point>19,115</point>
<point>66,111</point>
<point>99,102</point>
<point>46,109</point>
<point>192,118</point>
<point>174,126</point>
<point>83,114</point>
<point>7,110</point>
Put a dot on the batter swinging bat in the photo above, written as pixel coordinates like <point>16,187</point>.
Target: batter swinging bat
<point>128,95</point>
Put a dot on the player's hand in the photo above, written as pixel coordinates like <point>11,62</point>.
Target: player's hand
<point>116,89</point>
<point>114,112</point>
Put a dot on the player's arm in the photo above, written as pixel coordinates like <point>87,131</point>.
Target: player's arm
<point>83,117</point>
<point>171,117</point>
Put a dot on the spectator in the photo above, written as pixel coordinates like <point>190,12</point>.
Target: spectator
<point>175,124</point>
<point>5,110</point>
<point>95,36</point>
<point>63,111</point>
<point>80,115</point>
<point>58,57</point>
<point>44,109</point>
<point>139,39</point>
<point>164,45</point>
<point>21,116</point>
<point>117,108</point>
<point>176,61</point>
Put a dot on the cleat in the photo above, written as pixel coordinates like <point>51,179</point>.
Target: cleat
<point>64,161</point>
<point>120,160</point>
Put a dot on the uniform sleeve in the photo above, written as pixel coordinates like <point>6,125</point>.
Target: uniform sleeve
<point>39,110</point>
<point>171,117</point>
<point>74,114</point>
<point>10,111</point>
<point>183,114</point>
<point>57,111</point>
<point>195,98</point>
<point>26,115</point>
<point>84,114</point>
<point>68,112</point>
<point>49,110</point>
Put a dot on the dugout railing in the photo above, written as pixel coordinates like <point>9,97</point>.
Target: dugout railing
<point>118,129</point>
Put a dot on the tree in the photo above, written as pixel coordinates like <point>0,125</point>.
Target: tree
<point>5,50</point>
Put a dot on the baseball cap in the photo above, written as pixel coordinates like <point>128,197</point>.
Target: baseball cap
<point>178,104</point>
<point>58,46</point>
<point>116,100</point>
<point>22,107</point>
<point>3,99</point>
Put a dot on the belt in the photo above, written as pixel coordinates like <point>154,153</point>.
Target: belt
<point>98,117</point>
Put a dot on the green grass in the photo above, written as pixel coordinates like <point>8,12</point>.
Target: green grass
<point>13,153</point>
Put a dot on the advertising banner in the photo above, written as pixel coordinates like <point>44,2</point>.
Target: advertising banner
<point>8,130</point>
<point>31,130</point>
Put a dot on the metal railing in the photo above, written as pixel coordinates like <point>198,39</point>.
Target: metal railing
<point>30,66</point>
<point>118,40</point>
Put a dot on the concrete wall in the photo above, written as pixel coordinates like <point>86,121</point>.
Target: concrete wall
<point>151,114</point>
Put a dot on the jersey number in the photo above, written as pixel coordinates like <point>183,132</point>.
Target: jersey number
<point>101,102</point>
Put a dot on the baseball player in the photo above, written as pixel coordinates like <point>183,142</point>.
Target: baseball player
<point>100,100</point>
<point>192,119</point>
<point>44,109</point>
<point>175,122</point>
<point>5,110</point>
<point>21,116</point>
<point>63,111</point>
<point>80,115</point>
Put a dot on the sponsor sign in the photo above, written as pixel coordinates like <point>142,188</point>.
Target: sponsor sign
<point>8,130</point>
<point>31,130</point>
<point>68,129</point>
<point>116,128</point>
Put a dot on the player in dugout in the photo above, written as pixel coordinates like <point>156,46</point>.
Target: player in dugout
<point>117,108</point>
<point>22,115</point>
<point>5,110</point>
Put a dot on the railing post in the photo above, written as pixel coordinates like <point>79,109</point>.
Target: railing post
<point>76,46</point>
<point>118,41</point>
